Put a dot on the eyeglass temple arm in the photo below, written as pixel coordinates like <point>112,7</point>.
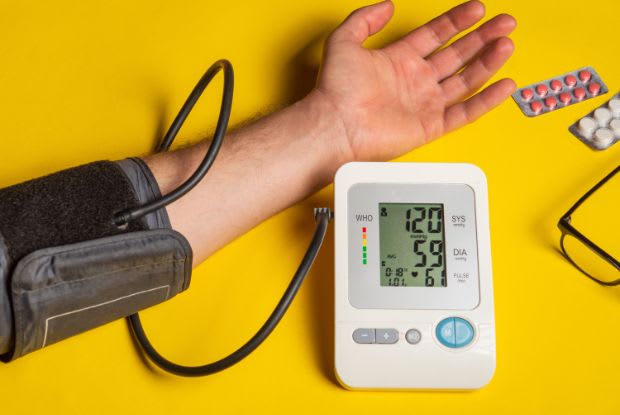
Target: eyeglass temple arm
<point>590,192</point>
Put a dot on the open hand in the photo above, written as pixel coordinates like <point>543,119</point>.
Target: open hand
<point>396,98</point>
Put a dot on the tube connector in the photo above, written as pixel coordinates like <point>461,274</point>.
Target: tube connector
<point>323,211</point>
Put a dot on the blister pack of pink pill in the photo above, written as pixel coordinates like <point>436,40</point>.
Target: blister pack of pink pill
<point>559,92</point>
<point>600,129</point>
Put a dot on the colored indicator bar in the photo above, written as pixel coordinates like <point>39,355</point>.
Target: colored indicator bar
<point>364,257</point>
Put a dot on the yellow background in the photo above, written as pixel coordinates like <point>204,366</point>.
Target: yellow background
<point>83,81</point>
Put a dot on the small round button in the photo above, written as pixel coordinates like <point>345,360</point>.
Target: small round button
<point>454,332</point>
<point>413,336</point>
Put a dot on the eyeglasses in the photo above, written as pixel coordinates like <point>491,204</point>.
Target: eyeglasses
<point>589,257</point>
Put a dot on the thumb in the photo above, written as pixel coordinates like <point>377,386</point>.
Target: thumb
<point>364,22</point>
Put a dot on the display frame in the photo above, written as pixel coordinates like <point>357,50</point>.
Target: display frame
<point>365,291</point>
<point>400,266</point>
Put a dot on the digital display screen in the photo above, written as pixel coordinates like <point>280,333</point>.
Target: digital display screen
<point>412,245</point>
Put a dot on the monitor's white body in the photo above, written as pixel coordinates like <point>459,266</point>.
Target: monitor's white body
<point>361,303</point>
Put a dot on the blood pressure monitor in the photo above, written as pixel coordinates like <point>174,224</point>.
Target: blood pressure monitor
<point>414,294</point>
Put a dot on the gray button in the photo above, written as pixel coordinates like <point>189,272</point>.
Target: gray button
<point>364,336</point>
<point>413,336</point>
<point>386,336</point>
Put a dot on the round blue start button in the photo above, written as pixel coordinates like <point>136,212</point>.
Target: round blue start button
<point>454,332</point>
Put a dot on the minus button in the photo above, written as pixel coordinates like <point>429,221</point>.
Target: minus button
<point>364,336</point>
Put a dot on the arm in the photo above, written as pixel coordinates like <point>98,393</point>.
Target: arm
<point>367,105</point>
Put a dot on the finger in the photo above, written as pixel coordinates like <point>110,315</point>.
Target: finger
<point>476,74</point>
<point>469,111</point>
<point>449,60</point>
<point>434,34</point>
<point>363,23</point>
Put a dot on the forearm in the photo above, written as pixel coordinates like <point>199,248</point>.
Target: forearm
<point>369,104</point>
<point>261,169</point>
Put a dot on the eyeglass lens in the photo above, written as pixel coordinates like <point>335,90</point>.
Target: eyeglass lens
<point>598,218</point>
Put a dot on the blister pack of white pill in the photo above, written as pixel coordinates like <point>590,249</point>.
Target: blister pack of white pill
<point>600,129</point>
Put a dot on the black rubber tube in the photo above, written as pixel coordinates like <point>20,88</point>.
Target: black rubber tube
<point>129,215</point>
<point>323,218</point>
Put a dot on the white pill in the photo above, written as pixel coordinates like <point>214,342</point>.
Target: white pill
<point>614,106</point>
<point>603,137</point>
<point>602,116</point>
<point>614,125</point>
<point>587,125</point>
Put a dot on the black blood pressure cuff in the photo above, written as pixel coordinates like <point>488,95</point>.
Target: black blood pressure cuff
<point>65,267</point>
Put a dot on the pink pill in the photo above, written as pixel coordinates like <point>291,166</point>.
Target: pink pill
<point>584,76</point>
<point>556,85</point>
<point>565,98</point>
<point>594,88</point>
<point>551,102</point>
<point>536,106</point>
<point>570,80</point>
<point>579,93</point>
<point>527,94</point>
<point>542,90</point>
